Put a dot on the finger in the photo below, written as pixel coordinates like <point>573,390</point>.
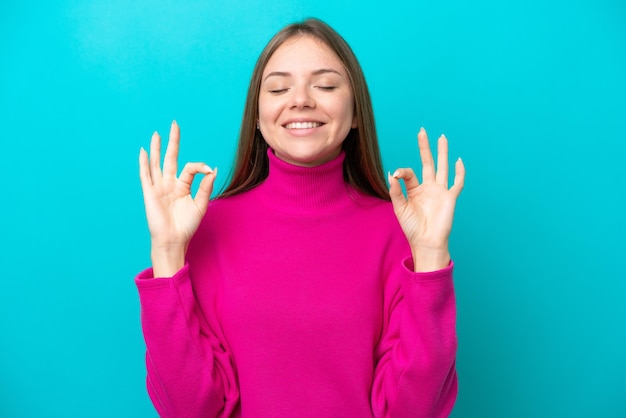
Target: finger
<point>144,171</point>
<point>190,170</point>
<point>203,195</point>
<point>442,161</point>
<point>428,164</point>
<point>395,192</point>
<point>459,177</point>
<point>408,175</point>
<point>155,156</point>
<point>170,165</point>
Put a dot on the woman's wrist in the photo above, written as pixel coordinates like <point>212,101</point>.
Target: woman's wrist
<point>167,261</point>
<point>430,259</point>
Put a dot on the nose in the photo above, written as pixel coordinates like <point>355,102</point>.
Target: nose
<point>301,97</point>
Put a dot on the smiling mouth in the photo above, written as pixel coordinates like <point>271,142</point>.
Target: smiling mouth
<point>303,125</point>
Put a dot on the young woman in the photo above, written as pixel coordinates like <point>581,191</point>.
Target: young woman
<point>307,289</point>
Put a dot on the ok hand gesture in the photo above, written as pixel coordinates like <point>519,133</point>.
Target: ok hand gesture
<point>426,213</point>
<point>173,214</point>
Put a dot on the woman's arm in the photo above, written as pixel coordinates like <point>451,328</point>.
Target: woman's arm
<point>415,373</point>
<point>190,371</point>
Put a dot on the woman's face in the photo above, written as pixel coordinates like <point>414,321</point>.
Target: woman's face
<point>306,105</point>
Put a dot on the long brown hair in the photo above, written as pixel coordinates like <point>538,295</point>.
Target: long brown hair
<point>362,167</point>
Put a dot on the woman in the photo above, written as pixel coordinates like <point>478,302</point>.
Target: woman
<point>301,291</point>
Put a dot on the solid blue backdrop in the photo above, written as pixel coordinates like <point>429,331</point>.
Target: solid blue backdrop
<point>531,94</point>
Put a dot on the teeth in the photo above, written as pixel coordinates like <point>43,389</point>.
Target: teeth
<point>302,125</point>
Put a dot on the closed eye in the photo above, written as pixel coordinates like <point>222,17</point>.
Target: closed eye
<point>326,88</point>
<point>278,91</point>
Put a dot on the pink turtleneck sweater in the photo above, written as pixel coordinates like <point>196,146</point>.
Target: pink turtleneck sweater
<point>298,299</point>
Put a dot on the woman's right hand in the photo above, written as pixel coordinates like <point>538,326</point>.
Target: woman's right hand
<point>173,214</point>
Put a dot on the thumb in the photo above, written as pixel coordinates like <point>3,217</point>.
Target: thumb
<point>203,195</point>
<point>395,192</point>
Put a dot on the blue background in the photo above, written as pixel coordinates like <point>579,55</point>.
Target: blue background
<point>531,94</point>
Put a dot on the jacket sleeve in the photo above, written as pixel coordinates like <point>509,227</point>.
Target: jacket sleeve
<point>415,374</point>
<point>190,372</point>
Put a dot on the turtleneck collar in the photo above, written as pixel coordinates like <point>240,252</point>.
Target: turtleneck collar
<point>297,189</point>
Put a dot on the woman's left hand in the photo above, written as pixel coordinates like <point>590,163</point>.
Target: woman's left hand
<point>426,213</point>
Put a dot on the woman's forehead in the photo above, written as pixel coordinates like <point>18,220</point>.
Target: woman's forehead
<point>303,54</point>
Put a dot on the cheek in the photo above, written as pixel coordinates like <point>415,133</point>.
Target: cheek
<point>264,115</point>
<point>345,108</point>
<point>267,111</point>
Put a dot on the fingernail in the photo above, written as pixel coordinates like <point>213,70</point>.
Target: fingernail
<point>422,129</point>
<point>215,171</point>
<point>396,174</point>
<point>208,169</point>
<point>174,122</point>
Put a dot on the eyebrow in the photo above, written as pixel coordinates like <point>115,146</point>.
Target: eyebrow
<point>316,72</point>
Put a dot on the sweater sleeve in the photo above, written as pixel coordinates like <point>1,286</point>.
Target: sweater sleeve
<point>189,371</point>
<point>415,374</point>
